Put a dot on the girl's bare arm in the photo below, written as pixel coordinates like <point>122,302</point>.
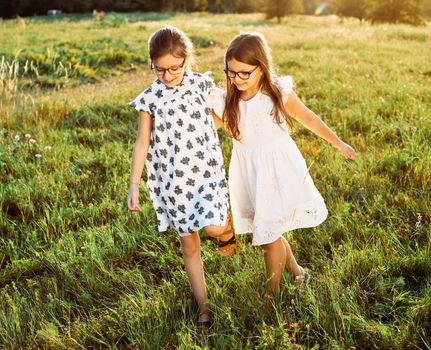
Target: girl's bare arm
<point>140,152</point>
<point>218,123</point>
<point>140,149</point>
<point>311,121</point>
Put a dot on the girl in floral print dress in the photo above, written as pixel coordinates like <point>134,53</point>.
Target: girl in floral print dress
<point>178,143</point>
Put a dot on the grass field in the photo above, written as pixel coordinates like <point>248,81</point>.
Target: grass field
<point>78,271</point>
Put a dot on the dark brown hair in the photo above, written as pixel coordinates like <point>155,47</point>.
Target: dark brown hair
<point>169,40</point>
<point>252,49</point>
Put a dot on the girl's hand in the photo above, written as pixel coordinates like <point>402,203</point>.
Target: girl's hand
<point>218,122</point>
<point>133,198</point>
<point>346,150</point>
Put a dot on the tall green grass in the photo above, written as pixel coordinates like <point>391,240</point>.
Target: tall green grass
<point>78,271</point>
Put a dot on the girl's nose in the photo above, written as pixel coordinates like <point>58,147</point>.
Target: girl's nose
<point>167,75</point>
<point>237,79</point>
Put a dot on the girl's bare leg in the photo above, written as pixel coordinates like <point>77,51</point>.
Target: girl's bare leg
<point>220,232</point>
<point>275,262</point>
<point>225,235</point>
<point>291,265</point>
<point>194,267</point>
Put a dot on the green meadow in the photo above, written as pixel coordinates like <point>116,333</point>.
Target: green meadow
<point>79,271</point>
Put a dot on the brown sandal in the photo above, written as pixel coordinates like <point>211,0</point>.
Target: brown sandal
<point>226,248</point>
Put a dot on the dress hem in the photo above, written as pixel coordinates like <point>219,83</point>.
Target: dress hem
<point>281,231</point>
<point>206,223</point>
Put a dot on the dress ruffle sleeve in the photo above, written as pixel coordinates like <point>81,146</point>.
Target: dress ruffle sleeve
<point>142,101</point>
<point>217,100</point>
<point>285,84</point>
<point>215,96</point>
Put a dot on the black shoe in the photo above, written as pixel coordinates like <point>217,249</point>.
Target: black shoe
<point>204,321</point>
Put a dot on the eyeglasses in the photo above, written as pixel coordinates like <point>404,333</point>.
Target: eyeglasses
<point>243,75</point>
<point>174,70</point>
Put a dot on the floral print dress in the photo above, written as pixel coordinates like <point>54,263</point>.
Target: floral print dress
<point>186,177</point>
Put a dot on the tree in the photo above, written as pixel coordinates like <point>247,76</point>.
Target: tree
<point>394,11</point>
<point>200,5</point>
<point>281,8</point>
<point>247,6</point>
<point>351,8</point>
<point>7,8</point>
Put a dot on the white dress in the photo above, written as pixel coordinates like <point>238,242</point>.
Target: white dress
<point>271,191</point>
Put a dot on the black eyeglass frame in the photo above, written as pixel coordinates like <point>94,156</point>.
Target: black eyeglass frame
<point>162,71</point>
<point>245,75</point>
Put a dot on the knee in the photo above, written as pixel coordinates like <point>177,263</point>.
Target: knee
<point>191,247</point>
<point>214,231</point>
<point>273,245</point>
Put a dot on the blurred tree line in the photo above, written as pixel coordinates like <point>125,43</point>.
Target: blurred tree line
<point>391,11</point>
<point>406,11</point>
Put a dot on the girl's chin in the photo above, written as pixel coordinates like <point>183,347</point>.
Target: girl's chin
<point>241,87</point>
<point>171,83</point>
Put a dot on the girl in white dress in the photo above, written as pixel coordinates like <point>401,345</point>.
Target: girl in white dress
<point>271,191</point>
<point>178,143</point>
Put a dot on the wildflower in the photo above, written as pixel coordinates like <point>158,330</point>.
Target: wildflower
<point>38,155</point>
<point>294,325</point>
<point>32,141</point>
<point>17,137</point>
<point>27,136</point>
<point>48,148</point>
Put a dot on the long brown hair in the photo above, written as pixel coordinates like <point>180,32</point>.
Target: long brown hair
<point>252,49</point>
<point>170,40</point>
